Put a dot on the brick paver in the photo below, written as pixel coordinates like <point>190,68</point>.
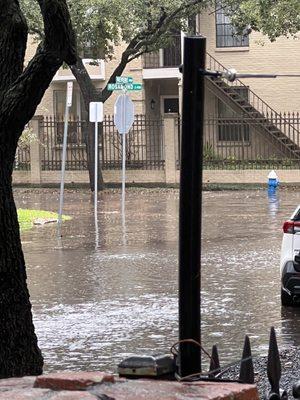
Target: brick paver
<point>72,380</point>
<point>164,390</point>
<point>25,394</point>
<point>102,386</point>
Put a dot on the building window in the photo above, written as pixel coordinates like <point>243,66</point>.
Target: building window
<point>171,105</point>
<point>226,35</point>
<point>231,126</point>
<point>172,53</point>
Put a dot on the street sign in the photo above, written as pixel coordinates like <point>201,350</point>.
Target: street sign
<point>123,113</point>
<point>124,79</point>
<point>69,93</point>
<point>96,111</point>
<point>134,86</point>
<point>115,86</point>
<point>124,86</point>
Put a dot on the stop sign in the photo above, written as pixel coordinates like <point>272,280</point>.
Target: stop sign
<point>123,113</point>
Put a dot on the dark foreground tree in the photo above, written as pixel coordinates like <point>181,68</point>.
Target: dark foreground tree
<point>21,90</point>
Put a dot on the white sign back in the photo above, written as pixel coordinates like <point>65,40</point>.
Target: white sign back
<point>69,93</point>
<point>123,113</point>
<point>96,111</point>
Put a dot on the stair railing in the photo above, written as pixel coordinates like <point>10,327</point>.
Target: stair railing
<point>279,120</point>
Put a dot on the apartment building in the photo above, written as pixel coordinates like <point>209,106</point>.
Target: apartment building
<point>248,123</point>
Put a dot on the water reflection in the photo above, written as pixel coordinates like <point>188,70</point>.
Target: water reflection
<point>290,329</point>
<point>93,307</point>
<point>273,201</point>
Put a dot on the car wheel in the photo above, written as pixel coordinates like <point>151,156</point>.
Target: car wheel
<point>286,299</point>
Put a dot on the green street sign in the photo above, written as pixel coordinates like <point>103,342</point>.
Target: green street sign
<point>124,79</point>
<point>115,86</point>
<point>134,86</point>
<point>126,86</point>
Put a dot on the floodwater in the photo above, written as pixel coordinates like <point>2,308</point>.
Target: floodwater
<point>95,304</point>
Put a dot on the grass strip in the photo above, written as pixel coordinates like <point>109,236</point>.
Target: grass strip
<point>27,217</point>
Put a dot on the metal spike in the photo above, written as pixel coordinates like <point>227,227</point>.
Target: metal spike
<point>274,365</point>
<point>296,390</point>
<point>283,394</point>
<point>247,370</point>
<point>272,396</point>
<point>214,362</point>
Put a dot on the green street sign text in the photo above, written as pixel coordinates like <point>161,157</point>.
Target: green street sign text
<point>124,79</point>
<point>126,86</point>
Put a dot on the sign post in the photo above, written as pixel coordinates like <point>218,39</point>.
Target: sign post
<point>64,155</point>
<point>190,206</point>
<point>96,116</point>
<point>123,119</point>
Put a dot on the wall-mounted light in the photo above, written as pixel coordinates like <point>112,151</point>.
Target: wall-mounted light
<point>152,104</point>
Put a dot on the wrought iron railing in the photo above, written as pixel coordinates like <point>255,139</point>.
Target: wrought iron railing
<point>240,143</point>
<point>144,144</point>
<point>168,57</point>
<point>281,121</point>
<point>22,158</point>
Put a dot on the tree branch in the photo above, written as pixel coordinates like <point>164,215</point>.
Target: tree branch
<point>24,95</point>
<point>13,39</point>
<point>87,87</point>
<point>145,39</point>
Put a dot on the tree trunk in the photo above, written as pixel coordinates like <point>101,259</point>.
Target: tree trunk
<point>21,90</point>
<point>19,352</point>
<point>91,93</point>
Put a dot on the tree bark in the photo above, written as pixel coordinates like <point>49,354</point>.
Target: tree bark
<point>20,93</point>
<point>19,352</point>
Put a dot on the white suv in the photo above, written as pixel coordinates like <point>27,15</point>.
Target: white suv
<point>290,260</point>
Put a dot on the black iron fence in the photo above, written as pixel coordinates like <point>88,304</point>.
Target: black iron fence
<point>229,143</point>
<point>22,158</point>
<point>51,138</point>
<point>243,143</point>
<point>144,144</point>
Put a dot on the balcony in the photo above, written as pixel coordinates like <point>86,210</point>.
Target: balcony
<point>163,63</point>
<point>96,71</point>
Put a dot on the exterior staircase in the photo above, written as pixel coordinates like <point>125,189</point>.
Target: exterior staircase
<point>275,127</point>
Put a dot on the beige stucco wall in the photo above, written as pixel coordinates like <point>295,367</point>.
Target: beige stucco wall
<point>282,56</point>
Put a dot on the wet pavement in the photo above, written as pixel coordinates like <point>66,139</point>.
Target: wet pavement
<point>94,305</point>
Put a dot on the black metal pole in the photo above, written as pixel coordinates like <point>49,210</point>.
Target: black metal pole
<point>191,204</point>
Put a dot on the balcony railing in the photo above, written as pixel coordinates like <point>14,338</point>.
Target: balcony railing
<point>169,57</point>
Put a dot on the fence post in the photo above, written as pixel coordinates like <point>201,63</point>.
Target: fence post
<point>35,152</point>
<point>170,149</point>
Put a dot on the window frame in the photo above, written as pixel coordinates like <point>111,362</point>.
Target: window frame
<point>237,41</point>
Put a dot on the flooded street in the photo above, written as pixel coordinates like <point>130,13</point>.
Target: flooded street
<point>94,306</point>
